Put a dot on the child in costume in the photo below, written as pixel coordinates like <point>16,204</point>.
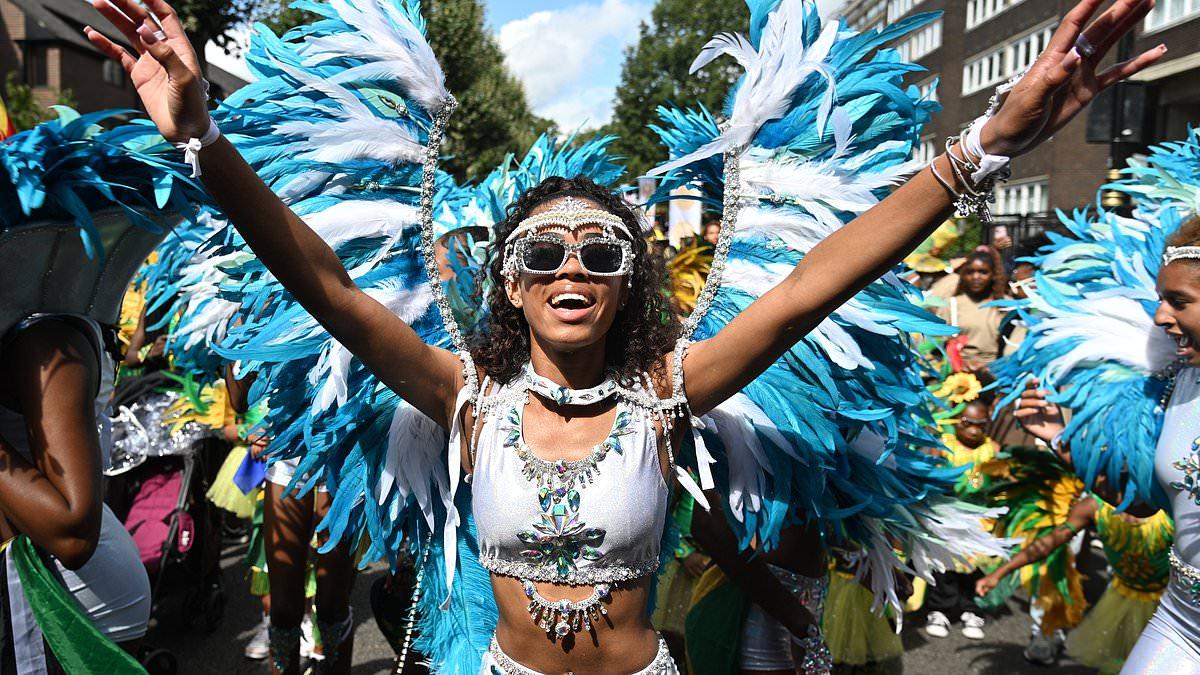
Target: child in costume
<point>1137,550</point>
<point>1038,494</point>
<point>952,592</point>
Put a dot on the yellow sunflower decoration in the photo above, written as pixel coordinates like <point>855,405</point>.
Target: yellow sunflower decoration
<point>959,388</point>
<point>689,268</point>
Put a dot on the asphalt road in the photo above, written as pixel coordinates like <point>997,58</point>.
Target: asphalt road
<point>221,652</point>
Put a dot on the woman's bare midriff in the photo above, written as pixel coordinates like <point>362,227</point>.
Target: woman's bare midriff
<point>624,642</point>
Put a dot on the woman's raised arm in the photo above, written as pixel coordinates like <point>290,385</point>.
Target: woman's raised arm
<point>166,73</point>
<point>1058,86</point>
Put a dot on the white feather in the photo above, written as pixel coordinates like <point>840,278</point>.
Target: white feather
<point>333,366</point>
<point>352,131</point>
<point>773,73</point>
<point>387,38</point>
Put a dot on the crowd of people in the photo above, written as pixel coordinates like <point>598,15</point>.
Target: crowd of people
<point>576,448</point>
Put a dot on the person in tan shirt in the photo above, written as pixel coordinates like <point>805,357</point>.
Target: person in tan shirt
<point>981,280</point>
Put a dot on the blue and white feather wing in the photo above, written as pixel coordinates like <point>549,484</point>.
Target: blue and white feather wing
<point>820,129</point>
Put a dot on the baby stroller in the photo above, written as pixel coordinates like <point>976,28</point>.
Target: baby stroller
<point>157,487</point>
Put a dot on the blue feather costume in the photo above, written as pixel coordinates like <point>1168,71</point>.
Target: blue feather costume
<point>114,193</point>
<point>1091,323</point>
<point>343,123</point>
<point>818,129</point>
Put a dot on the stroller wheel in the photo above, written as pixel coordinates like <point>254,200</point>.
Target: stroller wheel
<point>160,662</point>
<point>214,610</point>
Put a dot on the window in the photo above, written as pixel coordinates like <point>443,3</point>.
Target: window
<point>1168,12</point>
<point>36,68</point>
<point>1021,199</point>
<point>926,151</point>
<point>898,8</point>
<point>929,89</point>
<point>1005,61</point>
<point>112,73</point>
<point>979,11</point>
<point>868,16</point>
<point>922,43</point>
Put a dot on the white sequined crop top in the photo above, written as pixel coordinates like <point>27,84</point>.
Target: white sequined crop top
<point>597,520</point>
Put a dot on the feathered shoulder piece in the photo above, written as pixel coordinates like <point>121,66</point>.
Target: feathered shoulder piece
<point>81,206</point>
<point>68,168</point>
<point>1092,336</point>
<point>816,132</point>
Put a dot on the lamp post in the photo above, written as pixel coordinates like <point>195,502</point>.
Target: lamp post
<point>1120,147</point>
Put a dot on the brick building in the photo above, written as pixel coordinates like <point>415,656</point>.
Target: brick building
<point>977,44</point>
<point>42,41</point>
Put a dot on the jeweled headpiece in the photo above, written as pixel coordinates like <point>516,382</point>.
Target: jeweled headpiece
<point>1174,253</point>
<point>571,214</point>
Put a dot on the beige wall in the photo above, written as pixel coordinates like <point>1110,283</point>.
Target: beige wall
<point>12,28</point>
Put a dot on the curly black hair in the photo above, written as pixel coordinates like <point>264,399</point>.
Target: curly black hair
<point>992,257</point>
<point>644,330</point>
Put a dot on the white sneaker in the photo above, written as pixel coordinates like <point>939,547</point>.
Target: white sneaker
<point>972,626</point>
<point>306,637</point>
<point>937,625</point>
<point>259,646</point>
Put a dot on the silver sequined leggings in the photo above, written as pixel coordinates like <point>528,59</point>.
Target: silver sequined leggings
<point>1170,645</point>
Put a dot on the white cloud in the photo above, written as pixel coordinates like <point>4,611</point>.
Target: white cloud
<point>569,59</point>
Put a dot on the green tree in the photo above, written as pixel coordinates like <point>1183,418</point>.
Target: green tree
<point>217,21</point>
<point>23,108</point>
<point>655,72</point>
<point>280,16</point>
<point>493,116</point>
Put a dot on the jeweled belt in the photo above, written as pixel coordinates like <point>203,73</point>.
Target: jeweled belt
<point>1187,575</point>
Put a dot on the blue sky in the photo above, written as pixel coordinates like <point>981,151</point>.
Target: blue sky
<point>567,53</point>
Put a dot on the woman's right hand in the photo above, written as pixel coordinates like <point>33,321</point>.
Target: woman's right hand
<point>1037,415</point>
<point>165,72</point>
<point>986,584</point>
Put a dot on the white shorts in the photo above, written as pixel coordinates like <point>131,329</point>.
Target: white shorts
<point>280,473</point>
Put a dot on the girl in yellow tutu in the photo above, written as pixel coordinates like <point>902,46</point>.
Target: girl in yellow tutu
<point>1137,551</point>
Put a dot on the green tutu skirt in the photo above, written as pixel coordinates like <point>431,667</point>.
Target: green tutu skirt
<point>856,636</point>
<point>673,598</point>
<point>1108,633</point>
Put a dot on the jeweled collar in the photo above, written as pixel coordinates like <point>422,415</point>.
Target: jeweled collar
<point>561,395</point>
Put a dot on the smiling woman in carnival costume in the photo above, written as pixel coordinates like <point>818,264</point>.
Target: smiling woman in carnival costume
<point>1113,327</point>
<point>569,432</point>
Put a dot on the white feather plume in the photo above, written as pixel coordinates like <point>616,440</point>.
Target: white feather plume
<point>773,73</point>
<point>392,45</point>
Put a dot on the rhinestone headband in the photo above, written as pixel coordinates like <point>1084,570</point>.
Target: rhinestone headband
<point>571,213</point>
<point>1174,253</point>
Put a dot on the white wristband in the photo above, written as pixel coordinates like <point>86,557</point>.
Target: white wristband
<point>191,149</point>
<point>989,165</point>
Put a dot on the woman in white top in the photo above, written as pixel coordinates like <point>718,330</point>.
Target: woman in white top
<point>570,269</point>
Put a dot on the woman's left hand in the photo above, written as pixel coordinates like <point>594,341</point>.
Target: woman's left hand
<point>1063,81</point>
